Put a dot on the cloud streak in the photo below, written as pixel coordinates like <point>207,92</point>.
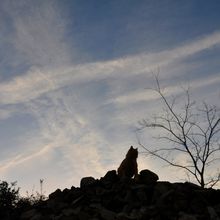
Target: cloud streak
<point>149,95</point>
<point>40,81</point>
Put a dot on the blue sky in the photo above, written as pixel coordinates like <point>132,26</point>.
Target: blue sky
<point>73,78</point>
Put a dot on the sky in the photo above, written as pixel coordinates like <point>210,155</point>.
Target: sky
<point>73,79</point>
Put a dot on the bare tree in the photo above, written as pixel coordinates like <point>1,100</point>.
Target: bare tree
<point>192,132</point>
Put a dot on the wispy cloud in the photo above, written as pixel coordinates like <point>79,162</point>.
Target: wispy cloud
<point>62,129</point>
<point>38,33</point>
<point>39,81</point>
<point>20,159</point>
<point>149,94</point>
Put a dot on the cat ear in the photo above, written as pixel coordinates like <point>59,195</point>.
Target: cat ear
<point>131,147</point>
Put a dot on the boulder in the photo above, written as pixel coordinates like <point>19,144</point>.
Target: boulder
<point>147,177</point>
<point>56,194</point>
<point>111,176</point>
<point>87,181</point>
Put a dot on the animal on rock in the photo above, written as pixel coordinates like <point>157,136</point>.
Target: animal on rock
<point>128,167</point>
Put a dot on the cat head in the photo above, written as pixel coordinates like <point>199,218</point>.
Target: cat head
<point>132,153</point>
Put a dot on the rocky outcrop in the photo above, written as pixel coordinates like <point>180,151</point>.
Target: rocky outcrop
<point>112,198</point>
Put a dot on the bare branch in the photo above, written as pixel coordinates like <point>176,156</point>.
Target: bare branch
<point>213,181</point>
<point>166,160</point>
<point>193,131</point>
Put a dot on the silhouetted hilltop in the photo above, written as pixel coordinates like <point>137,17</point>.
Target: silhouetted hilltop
<point>126,199</point>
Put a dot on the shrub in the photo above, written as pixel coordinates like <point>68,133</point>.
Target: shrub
<point>9,196</point>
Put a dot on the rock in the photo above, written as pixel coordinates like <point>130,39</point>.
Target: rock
<point>107,214</point>
<point>111,176</point>
<point>63,217</point>
<point>217,208</point>
<point>160,189</point>
<point>72,194</point>
<point>165,204</point>
<point>56,205</point>
<point>77,201</point>
<point>37,217</point>
<point>109,179</point>
<point>111,198</point>
<point>68,212</point>
<point>55,194</point>
<point>83,216</point>
<point>148,177</point>
<point>143,193</point>
<point>124,216</point>
<point>29,214</point>
<point>184,216</point>
<point>212,213</point>
<point>87,181</point>
<point>197,203</point>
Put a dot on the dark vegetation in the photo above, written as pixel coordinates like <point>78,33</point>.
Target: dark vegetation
<point>12,203</point>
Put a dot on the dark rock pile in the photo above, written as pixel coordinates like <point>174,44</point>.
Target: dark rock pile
<point>127,199</point>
